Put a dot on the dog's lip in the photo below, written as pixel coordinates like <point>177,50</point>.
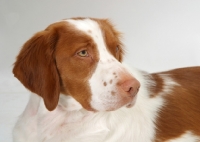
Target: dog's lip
<point>132,103</point>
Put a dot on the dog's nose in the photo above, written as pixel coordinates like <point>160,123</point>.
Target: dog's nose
<point>130,86</point>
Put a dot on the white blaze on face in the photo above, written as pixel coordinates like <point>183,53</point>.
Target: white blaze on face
<point>103,81</point>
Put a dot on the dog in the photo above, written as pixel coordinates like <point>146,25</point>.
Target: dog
<point>82,92</point>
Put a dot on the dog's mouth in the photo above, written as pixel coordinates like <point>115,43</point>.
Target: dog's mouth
<point>132,103</point>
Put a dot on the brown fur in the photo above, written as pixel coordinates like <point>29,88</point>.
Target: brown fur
<point>36,67</point>
<point>181,111</point>
<point>158,87</point>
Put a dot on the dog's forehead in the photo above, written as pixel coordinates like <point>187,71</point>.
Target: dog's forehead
<point>93,29</point>
<point>86,25</point>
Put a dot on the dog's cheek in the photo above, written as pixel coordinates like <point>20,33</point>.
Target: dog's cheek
<point>74,75</point>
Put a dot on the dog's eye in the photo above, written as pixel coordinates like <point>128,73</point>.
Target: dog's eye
<point>117,48</point>
<point>117,52</point>
<point>83,53</point>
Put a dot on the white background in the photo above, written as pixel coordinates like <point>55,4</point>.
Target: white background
<point>158,35</point>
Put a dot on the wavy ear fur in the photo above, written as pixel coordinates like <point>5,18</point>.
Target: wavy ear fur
<point>36,67</point>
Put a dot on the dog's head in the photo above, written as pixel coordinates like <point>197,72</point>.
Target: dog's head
<point>80,57</point>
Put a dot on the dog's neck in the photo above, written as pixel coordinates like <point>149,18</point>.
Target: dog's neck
<point>68,103</point>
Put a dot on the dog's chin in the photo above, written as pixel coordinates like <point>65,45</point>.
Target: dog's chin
<point>130,105</point>
<point>110,108</point>
<point>113,107</point>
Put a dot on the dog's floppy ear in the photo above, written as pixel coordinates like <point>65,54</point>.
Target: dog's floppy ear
<point>35,67</point>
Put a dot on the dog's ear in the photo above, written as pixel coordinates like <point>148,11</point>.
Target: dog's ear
<point>35,67</point>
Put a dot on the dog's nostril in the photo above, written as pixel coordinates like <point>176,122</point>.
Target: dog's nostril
<point>132,92</point>
<point>130,86</point>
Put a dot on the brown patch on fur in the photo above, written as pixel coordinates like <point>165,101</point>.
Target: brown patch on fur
<point>158,87</point>
<point>111,81</point>
<point>75,71</point>
<point>181,111</point>
<point>105,84</point>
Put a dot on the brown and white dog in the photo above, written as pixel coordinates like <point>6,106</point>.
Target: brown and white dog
<point>85,94</point>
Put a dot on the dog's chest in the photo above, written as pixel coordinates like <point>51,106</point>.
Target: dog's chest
<point>82,126</point>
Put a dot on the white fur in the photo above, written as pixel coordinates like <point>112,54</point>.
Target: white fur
<point>125,124</point>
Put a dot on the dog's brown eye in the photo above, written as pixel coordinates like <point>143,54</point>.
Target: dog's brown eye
<point>117,48</point>
<point>83,53</point>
